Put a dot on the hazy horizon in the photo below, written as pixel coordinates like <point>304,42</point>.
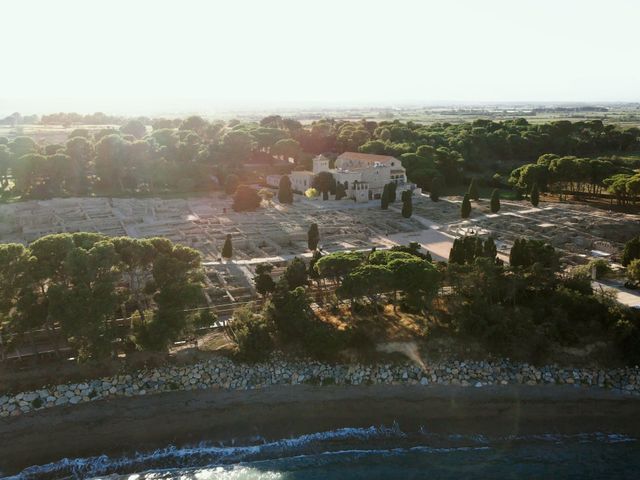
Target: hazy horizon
<point>201,57</point>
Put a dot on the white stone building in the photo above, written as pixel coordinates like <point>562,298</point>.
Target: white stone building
<point>364,175</point>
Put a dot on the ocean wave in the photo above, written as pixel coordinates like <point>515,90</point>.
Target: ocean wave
<point>333,443</point>
<point>203,452</point>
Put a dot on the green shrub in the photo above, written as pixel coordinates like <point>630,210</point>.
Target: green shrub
<point>252,333</point>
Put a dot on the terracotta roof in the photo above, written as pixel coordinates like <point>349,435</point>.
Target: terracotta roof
<point>365,157</point>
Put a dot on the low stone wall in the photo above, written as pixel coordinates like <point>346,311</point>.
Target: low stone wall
<point>223,373</point>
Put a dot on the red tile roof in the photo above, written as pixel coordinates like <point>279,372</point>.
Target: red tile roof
<point>365,157</point>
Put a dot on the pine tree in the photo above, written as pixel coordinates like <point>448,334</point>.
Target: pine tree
<point>535,195</point>
<point>384,198</point>
<point>313,237</point>
<point>227,248</point>
<point>495,201</point>
<point>437,186</point>
<point>285,194</point>
<point>407,204</point>
<point>631,251</point>
<point>465,208</point>
<point>473,190</point>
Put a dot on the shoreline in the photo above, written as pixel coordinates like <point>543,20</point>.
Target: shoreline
<point>124,425</point>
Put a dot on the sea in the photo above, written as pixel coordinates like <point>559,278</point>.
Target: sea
<point>376,452</point>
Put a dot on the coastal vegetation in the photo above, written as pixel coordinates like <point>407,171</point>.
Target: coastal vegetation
<point>100,295</point>
<point>526,309</point>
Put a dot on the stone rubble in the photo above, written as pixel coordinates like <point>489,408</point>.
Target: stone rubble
<point>223,373</point>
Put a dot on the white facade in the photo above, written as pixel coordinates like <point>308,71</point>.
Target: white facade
<point>320,164</point>
<point>273,180</point>
<point>301,180</point>
<point>375,170</point>
<point>364,175</point>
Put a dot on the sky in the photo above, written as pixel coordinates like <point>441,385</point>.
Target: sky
<point>136,55</point>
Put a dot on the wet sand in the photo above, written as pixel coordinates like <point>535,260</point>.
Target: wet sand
<point>125,425</point>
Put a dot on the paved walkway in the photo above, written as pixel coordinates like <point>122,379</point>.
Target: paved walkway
<point>625,296</point>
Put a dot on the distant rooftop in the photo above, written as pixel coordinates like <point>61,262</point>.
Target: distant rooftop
<point>365,157</point>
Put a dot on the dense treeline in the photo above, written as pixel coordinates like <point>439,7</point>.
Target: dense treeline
<point>523,309</point>
<point>573,175</point>
<point>286,320</point>
<point>75,286</point>
<point>145,155</point>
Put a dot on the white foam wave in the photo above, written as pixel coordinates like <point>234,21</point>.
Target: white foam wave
<point>93,466</point>
<point>207,454</point>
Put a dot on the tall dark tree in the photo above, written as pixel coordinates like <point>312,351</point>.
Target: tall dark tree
<point>407,204</point>
<point>313,273</point>
<point>473,190</point>
<point>296,274</point>
<point>456,254</point>
<point>263,281</point>
<point>495,201</point>
<point>285,193</point>
<point>392,192</point>
<point>227,248</point>
<point>465,208</point>
<point>535,195</point>
<point>341,191</point>
<point>437,186</point>
<point>489,249</point>
<point>324,182</point>
<point>384,198</point>
<point>313,237</point>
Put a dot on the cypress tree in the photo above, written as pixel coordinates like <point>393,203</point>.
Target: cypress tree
<point>473,190</point>
<point>437,185</point>
<point>227,248</point>
<point>313,273</point>
<point>465,208</point>
<point>263,281</point>
<point>407,204</point>
<point>392,192</point>
<point>313,237</point>
<point>285,194</point>
<point>495,201</point>
<point>535,195</point>
<point>456,254</point>
<point>489,249</point>
<point>384,198</point>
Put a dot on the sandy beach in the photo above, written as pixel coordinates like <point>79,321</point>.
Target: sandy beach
<point>181,418</point>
